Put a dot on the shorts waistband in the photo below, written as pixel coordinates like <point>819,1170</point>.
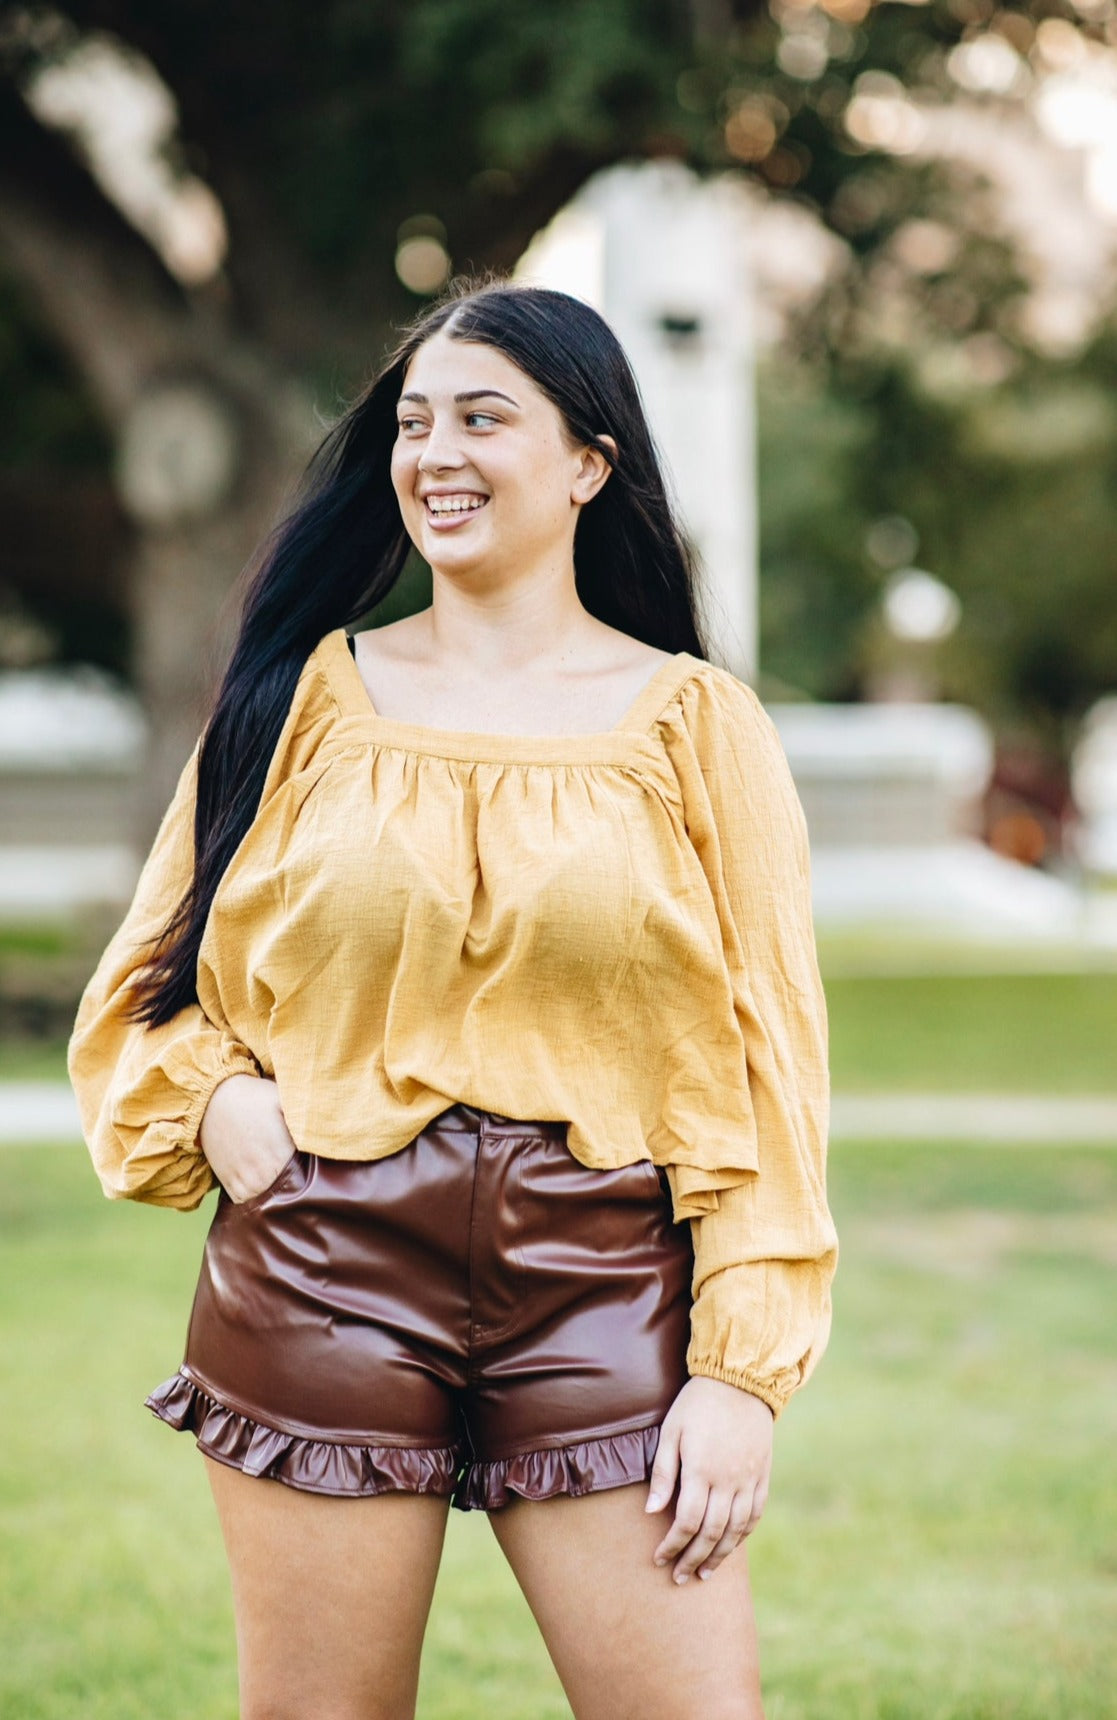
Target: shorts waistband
<point>470,1119</point>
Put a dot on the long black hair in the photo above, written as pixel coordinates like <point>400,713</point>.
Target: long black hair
<point>343,546</point>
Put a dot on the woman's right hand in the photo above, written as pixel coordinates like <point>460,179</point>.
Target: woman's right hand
<point>244,1135</point>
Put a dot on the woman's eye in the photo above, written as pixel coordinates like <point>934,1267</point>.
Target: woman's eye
<point>474,420</point>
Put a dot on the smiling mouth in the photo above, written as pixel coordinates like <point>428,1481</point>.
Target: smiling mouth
<point>443,507</point>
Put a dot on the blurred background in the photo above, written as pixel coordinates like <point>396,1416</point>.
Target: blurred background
<point>864,258</point>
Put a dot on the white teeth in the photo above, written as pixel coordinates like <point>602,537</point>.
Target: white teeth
<point>455,504</point>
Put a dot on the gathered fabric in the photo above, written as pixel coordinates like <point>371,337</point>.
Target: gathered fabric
<point>608,930</point>
<point>438,1319</point>
<point>355,1470</point>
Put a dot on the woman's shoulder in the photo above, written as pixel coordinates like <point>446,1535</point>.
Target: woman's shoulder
<point>710,699</point>
<point>312,717</point>
<point>721,739</point>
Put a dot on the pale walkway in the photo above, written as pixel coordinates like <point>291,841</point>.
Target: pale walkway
<point>46,1111</point>
<point>1007,1118</point>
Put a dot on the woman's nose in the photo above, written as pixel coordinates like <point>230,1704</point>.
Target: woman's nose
<point>440,449</point>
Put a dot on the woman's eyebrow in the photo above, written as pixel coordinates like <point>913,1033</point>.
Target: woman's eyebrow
<point>471,394</point>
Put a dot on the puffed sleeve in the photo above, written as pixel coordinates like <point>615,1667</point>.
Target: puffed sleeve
<point>142,1090</point>
<point>765,1248</point>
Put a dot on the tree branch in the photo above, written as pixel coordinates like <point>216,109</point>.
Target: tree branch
<point>106,298</point>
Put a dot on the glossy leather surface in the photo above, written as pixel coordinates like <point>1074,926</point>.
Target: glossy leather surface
<point>474,1315</point>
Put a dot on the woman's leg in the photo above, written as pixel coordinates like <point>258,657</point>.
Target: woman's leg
<point>627,1642</point>
<point>331,1596</point>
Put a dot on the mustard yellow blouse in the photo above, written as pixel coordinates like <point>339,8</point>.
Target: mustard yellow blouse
<point>612,929</point>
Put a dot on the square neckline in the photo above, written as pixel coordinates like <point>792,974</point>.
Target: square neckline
<point>614,745</point>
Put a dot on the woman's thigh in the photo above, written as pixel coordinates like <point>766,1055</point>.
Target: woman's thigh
<point>331,1596</point>
<point>627,1641</point>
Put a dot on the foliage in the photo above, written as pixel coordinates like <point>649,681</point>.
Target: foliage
<point>53,423</point>
<point>324,130</point>
<point>1011,490</point>
<point>815,580</point>
<point>915,387</point>
<point>911,388</point>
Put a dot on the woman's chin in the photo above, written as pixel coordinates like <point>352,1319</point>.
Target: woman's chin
<point>445,555</point>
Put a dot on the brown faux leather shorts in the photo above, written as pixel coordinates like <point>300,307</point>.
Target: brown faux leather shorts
<point>477,1315</point>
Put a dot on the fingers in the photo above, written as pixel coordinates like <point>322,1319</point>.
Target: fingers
<point>258,1172</point>
<point>705,1536</point>
<point>759,1500</point>
<point>665,1469</point>
<point>717,1442</point>
<point>244,1135</point>
<point>701,1519</point>
<point>743,1518</point>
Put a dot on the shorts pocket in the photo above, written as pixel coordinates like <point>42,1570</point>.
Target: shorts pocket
<point>278,1181</point>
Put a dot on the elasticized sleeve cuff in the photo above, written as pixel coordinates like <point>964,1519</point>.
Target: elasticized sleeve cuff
<point>721,1350</point>
<point>142,1090</point>
<point>761,1323</point>
<point>144,1135</point>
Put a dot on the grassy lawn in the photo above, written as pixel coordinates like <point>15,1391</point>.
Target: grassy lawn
<point>32,1060</point>
<point>940,1543</point>
<point>1043,1033</point>
<point>1031,1033</point>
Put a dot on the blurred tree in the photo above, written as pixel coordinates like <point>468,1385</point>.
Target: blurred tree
<point>357,151</point>
<point>908,408</point>
<point>927,391</point>
<point>61,526</point>
<point>1009,499</point>
<point>351,148</point>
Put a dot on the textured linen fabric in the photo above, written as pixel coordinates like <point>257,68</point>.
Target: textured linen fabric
<point>611,930</point>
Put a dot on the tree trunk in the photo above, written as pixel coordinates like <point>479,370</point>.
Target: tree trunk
<point>209,430</point>
<point>184,625</point>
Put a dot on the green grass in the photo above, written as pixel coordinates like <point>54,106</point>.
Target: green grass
<point>1031,1033</point>
<point>1043,1033</point>
<point>940,1543</point>
<point>34,939</point>
<point>32,1060</point>
<point>944,1539</point>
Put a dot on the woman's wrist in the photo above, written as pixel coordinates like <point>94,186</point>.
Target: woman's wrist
<point>741,1381</point>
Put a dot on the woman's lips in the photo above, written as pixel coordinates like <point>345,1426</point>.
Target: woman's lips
<point>450,520</point>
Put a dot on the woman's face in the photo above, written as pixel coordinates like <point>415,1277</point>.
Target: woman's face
<point>483,465</point>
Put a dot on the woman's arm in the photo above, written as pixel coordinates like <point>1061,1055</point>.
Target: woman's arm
<point>765,1251</point>
<point>142,1091</point>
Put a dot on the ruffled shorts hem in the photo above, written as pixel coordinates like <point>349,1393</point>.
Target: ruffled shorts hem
<point>586,1466</point>
<point>355,1470</point>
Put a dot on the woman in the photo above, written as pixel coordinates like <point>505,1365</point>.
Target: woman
<point>494,966</point>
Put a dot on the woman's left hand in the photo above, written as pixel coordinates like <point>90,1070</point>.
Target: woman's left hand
<point>717,1441</point>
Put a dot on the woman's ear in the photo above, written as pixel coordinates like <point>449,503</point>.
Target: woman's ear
<point>593,470</point>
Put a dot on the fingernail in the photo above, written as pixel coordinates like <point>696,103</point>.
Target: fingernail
<point>655,1500</point>
<point>682,1579</point>
<point>661,1561</point>
<point>705,1574</point>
